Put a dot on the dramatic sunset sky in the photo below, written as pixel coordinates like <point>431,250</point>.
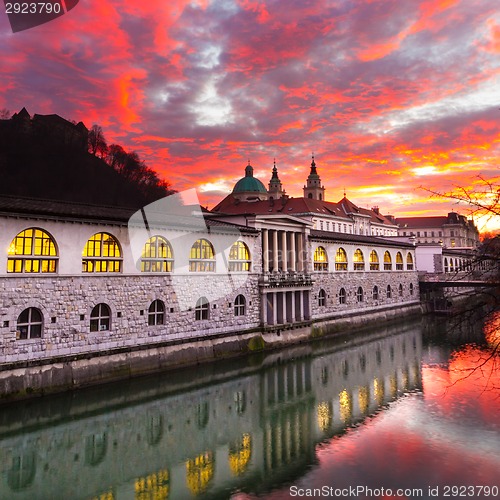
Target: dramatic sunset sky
<point>389,94</point>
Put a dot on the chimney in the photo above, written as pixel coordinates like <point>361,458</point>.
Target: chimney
<point>375,209</point>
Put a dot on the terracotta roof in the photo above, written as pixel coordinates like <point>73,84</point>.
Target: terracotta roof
<point>417,222</point>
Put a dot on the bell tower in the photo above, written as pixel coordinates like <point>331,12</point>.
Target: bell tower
<point>276,190</point>
<point>313,189</point>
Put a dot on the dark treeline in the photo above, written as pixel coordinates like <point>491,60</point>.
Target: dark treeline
<point>46,156</point>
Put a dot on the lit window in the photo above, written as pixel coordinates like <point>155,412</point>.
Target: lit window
<point>239,257</point>
<point>375,292</point>
<point>359,294</point>
<point>101,255</point>
<point>156,313</point>
<point>341,260</point>
<point>321,298</point>
<point>100,318</point>
<point>389,291</point>
<point>202,257</point>
<point>387,261</point>
<point>32,251</point>
<point>399,262</point>
<point>202,309</point>
<point>157,256</point>
<point>359,261</point>
<point>374,263</point>
<point>409,262</point>
<point>342,296</point>
<point>320,259</point>
<point>29,324</point>
<point>240,306</point>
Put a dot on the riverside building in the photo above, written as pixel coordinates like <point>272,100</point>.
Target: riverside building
<point>80,306</point>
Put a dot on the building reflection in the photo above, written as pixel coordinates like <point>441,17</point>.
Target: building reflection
<point>253,430</point>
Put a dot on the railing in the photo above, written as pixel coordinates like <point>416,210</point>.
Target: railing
<point>286,278</point>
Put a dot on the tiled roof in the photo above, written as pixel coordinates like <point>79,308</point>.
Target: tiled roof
<point>417,222</point>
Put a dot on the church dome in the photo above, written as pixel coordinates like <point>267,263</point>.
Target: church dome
<point>249,184</point>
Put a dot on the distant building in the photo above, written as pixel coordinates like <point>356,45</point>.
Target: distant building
<point>452,231</point>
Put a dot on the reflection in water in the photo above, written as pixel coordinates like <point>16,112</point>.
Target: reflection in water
<point>254,430</point>
<point>240,454</point>
<point>199,472</point>
<point>153,487</point>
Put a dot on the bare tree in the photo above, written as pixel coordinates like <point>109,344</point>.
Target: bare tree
<point>97,142</point>
<point>4,114</point>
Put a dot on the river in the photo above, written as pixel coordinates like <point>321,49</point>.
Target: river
<point>407,411</point>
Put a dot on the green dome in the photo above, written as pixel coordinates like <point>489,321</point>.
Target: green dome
<point>249,183</point>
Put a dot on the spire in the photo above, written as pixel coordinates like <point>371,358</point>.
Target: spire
<point>313,166</point>
<point>275,171</point>
<point>313,188</point>
<point>275,187</point>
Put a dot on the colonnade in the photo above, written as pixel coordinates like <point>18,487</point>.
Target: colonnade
<point>286,306</point>
<point>282,251</point>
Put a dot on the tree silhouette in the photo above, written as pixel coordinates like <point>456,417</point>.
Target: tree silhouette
<point>97,142</point>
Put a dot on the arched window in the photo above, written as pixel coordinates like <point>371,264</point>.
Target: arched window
<point>320,259</point>
<point>400,290</point>
<point>399,262</point>
<point>101,254</point>
<point>32,251</point>
<point>342,296</point>
<point>240,305</point>
<point>157,256</point>
<point>340,260</point>
<point>239,257</point>
<point>451,266</point>
<point>375,292</point>
<point>359,294</point>
<point>389,291</point>
<point>100,318</point>
<point>409,262</point>
<point>374,263</point>
<point>359,260</point>
<point>29,324</point>
<point>202,309</point>
<point>446,265</point>
<point>411,288</point>
<point>202,256</point>
<point>321,298</point>
<point>387,261</point>
<point>156,313</point>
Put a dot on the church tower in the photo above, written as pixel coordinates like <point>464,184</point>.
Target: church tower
<point>314,190</point>
<point>275,187</point>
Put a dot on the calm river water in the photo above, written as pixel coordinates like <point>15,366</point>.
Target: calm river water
<point>406,412</point>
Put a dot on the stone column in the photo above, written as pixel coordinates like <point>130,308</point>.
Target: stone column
<point>265,251</point>
<point>275,308</point>
<point>284,253</point>
<point>301,305</point>
<point>300,249</point>
<point>275,250</point>
<point>293,257</point>
<point>292,303</point>
<point>285,318</point>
